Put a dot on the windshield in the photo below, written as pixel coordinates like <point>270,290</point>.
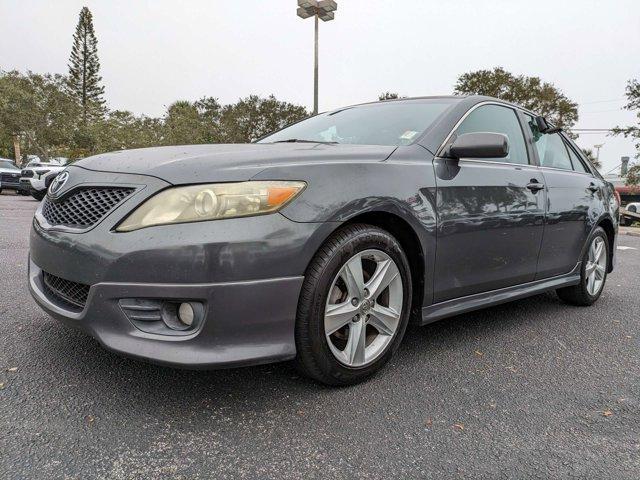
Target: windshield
<point>8,164</point>
<point>385,123</point>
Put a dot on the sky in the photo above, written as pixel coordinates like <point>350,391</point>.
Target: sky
<point>153,52</point>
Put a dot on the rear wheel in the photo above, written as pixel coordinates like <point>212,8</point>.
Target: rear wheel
<point>593,274</point>
<point>354,306</point>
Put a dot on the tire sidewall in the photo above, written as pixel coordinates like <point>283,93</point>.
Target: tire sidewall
<point>371,238</point>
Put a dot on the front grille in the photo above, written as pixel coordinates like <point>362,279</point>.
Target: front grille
<point>9,178</point>
<point>71,294</point>
<point>83,208</point>
<point>27,173</point>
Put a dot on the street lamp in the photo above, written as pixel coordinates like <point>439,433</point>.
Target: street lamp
<point>598,147</point>
<point>324,10</point>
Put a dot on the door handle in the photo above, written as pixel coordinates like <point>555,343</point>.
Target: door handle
<point>593,187</point>
<point>535,186</point>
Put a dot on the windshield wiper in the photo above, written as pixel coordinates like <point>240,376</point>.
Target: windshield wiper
<point>299,140</point>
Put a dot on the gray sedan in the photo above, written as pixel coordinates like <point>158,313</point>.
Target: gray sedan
<point>321,242</point>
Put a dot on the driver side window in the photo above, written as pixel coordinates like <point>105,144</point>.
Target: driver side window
<point>498,119</point>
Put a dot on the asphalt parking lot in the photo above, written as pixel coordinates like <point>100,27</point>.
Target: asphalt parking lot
<point>532,389</point>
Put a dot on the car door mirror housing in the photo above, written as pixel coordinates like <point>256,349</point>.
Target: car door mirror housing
<point>479,145</point>
<point>545,127</point>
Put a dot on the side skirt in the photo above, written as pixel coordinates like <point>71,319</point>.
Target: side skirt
<point>477,301</point>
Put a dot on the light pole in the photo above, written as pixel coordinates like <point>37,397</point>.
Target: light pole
<point>598,147</point>
<point>323,10</point>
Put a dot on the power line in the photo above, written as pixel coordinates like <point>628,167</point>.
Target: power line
<point>604,101</point>
<point>590,129</point>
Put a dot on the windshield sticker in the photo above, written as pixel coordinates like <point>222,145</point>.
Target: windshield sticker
<point>408,135</point>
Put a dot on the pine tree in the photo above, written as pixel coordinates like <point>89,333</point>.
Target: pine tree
<point>84,66</point>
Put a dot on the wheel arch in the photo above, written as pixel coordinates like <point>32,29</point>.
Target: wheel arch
<point>406,235</point>
<point>607,225</point>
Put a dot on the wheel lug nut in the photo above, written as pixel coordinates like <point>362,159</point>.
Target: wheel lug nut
<point>366,292</point>
<point>354,302</point>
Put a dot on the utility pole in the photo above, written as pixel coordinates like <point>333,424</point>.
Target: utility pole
<point>320,10</point>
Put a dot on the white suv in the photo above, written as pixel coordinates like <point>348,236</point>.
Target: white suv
<point>37,176</point>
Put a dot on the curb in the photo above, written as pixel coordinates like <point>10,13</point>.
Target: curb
<point>631,233</point>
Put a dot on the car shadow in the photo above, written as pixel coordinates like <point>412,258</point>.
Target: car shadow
<point>79,362</point>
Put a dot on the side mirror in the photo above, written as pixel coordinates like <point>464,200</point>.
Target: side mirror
<point>544,127</point>
<point>479,145</point>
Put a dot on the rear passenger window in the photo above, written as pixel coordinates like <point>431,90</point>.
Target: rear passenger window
<point>578,166</point>
<point>497,119</point>
<point>552,152</point>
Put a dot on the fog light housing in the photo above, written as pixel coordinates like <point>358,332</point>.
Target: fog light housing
<point>186,314</point>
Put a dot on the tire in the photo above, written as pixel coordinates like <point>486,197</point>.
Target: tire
<point>583,294</point>
<point>38,195</point>
<point>318,351</point>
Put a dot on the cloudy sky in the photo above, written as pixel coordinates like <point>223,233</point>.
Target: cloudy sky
<point>156,51</point>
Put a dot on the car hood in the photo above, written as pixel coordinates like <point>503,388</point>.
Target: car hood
<point>9,170</point>
<point>223,163</point>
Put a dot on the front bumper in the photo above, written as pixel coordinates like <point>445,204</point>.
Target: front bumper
<point>245,323</point>
<point>245,272</point>
<point>25,186</point>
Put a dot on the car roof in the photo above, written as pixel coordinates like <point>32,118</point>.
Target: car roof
<point>467,100</point>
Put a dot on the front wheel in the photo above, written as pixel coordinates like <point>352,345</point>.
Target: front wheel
<point>593,273</point>
<point>39,195</point>
<point>354,306</point>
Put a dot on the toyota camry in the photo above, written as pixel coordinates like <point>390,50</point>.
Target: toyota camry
<point>322,241</point>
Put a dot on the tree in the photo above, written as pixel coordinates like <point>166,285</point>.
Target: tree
<point>591,157</point>
<point>530,92</point>
<point>120,130</point>
<point>254,117</point>
<point>38,112</point>
<point>193,122</point>
<point>633,175</point>
<point>632,131</point>
<point>84,69</point>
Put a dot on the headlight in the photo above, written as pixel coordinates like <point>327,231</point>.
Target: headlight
<point>197,203</point>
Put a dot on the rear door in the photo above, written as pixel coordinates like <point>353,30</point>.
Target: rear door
<point>490,212</point>
<point>574,197</point>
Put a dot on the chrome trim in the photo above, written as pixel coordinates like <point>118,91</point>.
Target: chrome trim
<point>490,162</point>
<point>567,171</point>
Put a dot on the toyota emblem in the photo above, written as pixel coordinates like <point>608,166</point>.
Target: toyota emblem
<point>58,183</point>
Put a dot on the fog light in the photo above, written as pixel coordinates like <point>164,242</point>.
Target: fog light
<point>186,314</point>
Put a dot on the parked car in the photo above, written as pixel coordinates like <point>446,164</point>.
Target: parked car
<point>321,241</point>
<point>630,214</point>
<point>37,176</point>
<point>9,175</point>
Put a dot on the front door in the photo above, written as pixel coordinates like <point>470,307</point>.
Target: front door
<point>490,212</point>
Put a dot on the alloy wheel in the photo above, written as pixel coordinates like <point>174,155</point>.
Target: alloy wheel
<point>363,308</point>
<point>595,270</point>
